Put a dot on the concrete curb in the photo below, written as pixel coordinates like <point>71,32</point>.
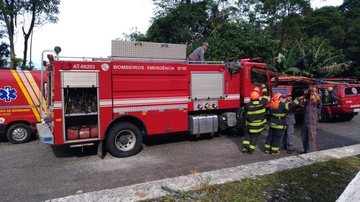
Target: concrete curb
<point>351,192</point>
<point>152,189</point>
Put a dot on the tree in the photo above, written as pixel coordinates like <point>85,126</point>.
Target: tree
<point>283,18</point>
<point>9,10</point>
<point>351,11</point>
<point>236,40</point>
<point>181,24</point>
<point>40,12</point>
<point>326,22</point>
<point>4,51</point>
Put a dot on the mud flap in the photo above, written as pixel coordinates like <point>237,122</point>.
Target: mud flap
<point>101,152</point>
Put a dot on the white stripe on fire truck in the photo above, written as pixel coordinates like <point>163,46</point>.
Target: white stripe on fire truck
<point>150,108</point>
<point>141,101</point>
<point>36,88</point>
<point>26,93</point>
<point>105,103</point>
<point>57,105</point>
<point>233,97</point>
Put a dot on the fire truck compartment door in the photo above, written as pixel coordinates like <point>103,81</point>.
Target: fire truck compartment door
<point>79,79</point>
<point>207,85</point>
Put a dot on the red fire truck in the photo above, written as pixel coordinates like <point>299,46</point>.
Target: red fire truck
<point>119,100</point>
<point>19,104</point>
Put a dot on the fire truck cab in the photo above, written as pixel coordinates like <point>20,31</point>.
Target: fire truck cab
<point>119,100</point>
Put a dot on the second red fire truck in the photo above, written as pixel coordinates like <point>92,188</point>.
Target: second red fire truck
<point>119,100</point>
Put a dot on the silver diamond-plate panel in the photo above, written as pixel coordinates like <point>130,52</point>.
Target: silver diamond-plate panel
<point>136,49</point>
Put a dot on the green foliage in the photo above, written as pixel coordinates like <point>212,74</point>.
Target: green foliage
<point>16,13</point>
<point>4,51</point>
<point>308,58</point>
<point>135,35</point>
<point>318,182</point>
<point>302,41</point>
<point>181,24</point>
<point>4,54</point>
<point>326,22</point>
<point>238,40</point>
<point>351,11</point>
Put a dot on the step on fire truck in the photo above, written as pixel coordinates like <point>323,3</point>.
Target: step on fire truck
<point>19,104</point>
<point>143,89</point>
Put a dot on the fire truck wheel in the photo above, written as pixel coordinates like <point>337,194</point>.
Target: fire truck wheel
<point>124,140</point>
<point>18,133</point>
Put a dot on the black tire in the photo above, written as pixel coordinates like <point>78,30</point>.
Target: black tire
<point>18,133</point>
<point>124,139</point>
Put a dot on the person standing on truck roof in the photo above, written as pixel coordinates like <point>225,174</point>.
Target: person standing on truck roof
<point>277,111</point>
<point>255,120</point>
<point>289,130</point>
<point>198,54</point>
<point>311,117</point>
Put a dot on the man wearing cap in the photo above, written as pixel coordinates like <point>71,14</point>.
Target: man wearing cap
<point>199,54</point>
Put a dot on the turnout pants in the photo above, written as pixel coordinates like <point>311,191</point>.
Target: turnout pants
<point>250,140</point>
<point>273,140</point>
<point>308,134</point>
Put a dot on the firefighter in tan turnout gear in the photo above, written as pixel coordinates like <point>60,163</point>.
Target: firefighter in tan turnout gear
<point>255,120</point>
<point>277,124</point>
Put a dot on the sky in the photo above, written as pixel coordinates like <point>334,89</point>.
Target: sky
<point>86,27</point>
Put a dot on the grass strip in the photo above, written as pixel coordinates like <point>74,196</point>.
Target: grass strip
<point>317,182</point>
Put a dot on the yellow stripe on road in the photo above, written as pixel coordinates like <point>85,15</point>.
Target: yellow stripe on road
<point>26,94</point>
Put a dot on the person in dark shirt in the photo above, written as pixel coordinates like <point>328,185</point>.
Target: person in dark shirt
<point>198,54</point>
<point>289,134</point>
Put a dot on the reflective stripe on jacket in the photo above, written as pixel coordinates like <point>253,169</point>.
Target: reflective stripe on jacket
<point>255,115</point>
<point>278,115</point>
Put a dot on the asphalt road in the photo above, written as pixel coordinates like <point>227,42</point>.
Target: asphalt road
<point>35,171</point>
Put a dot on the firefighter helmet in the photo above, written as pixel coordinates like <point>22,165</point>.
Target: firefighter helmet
<point>330,89</point>
<point>254,95</point>
<point>276,97</point>
<point>257,89</point>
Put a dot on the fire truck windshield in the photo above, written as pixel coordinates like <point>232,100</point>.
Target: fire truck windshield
<point>257,77</point>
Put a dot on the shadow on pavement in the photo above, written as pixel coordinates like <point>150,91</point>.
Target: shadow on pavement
<point>64,151</point>
<point>173,138</point>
